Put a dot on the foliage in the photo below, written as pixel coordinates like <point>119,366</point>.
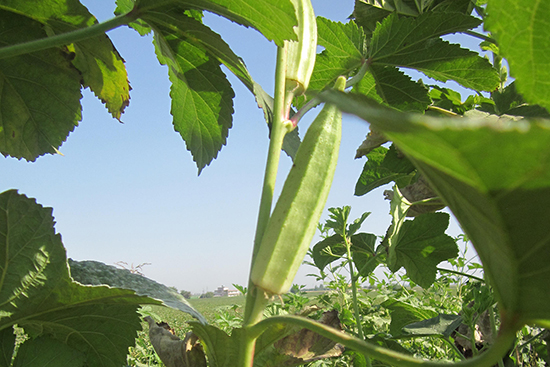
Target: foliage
<point>485,158</point>
<point>207,295</point>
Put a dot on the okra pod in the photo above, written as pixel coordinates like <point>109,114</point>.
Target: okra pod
<point>291,227</point>
<point>301,54</point>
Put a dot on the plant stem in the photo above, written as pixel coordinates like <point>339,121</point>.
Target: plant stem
<point>67,38</point>
<point>481,36</point>
<point>354,290</point>
<point>488,358</point>
<point>461,274</point>
<point>256,299</point>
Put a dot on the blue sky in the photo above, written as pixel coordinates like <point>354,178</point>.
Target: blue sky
<point>130,192</point>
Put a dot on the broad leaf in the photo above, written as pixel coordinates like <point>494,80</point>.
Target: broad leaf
<point>522,32</point>
<point>37,293</point>
<point>441,325</point>
<point>40,99</point>
<point>202,98</point>
<point>102,68</point>
<point>414,43</point>
<point>383,166</point>
<point>97,273</point>
<point>344,52</point>
<point>7,344</point>
<point>221,349</point>
<point>403,314</point>
<point>274,19</point>
<point>395,88</point>
<point>368,13</point>
<point>510,102</point>
<point>420,246</point>
<point>494,174</point>
<point>48,352</point>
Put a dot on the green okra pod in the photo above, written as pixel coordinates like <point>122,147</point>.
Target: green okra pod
<point>301,53</point>
<point>294,220</point>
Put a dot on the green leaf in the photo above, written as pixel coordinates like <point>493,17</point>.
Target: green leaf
<point>394,88</point>
<point>441,325</point>
<point>421,245</point>
<point>510,102</point>
<point>40,99</point>
<point>202,98</point>
<point>333,248</point>
<point>37,293</point>
<point>274,19</point>
<point>364,256</point>
<point>368,13</point>
<point>414,43</point>
<point>344,53</point>
<point>383,166</point>
<point>403,314</point>
<point>102,68</point>
<point>97,273</point>
<point>497,185</point>
<point>221,349</point>
<point>521,29</point>
<point>48,352</point>
<point>7,344</point>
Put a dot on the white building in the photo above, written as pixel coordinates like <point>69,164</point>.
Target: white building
<point>225,292</point>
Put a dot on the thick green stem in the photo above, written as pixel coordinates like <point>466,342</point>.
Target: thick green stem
<point>66,38</point>
<point>393,358</point>
<point>256,299</point>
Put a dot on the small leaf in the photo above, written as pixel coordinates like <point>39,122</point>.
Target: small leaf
<point>441,325</point>
<point>328,250</point>
<point>363,254</point>
<point>368,13</point>
<point>221,349</point>
<point>521,29</point>
<point>383,166</point>
<point>394,88</point>
<point>403,314</point>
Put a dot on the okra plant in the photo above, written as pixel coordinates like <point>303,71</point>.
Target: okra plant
<point>485,159</point>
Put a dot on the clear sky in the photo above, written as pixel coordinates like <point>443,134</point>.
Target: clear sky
<point>130,192</point>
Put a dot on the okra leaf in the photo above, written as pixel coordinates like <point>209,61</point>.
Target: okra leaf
<point>274,19</point>
<point>441,325</point>
<point>415,43</point>
<point>521,29</point>
<point>382,167</point>
<point>403,314</point>
<point>328,250</point>
<point>510,102</point>
<point>221,349</point>
<point>98,273</point>
<point>40,99</point>
<point>202,97</point>
<point>363,253</point>
<point>7,345</point>
<point>344,52</point>
<point>497,185</point>
<point>368,13</point>
<point>395,88</point>
<point>421,245</point>
<point>37,293</point>
<point>42,351</point>
<point>101,66</point>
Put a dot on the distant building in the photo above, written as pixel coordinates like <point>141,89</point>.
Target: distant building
<point>225,292</point>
